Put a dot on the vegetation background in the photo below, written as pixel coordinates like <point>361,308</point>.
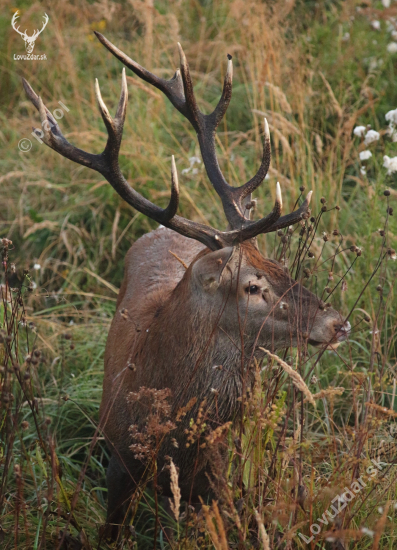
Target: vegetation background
<point>316,70</point>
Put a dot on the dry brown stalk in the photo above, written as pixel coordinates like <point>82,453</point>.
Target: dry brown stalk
<point>183,410</point>
<point>234,513</point>
<point>179,259</point>
<point>296,378</point>
<point>337,108</point>
<point>380,527</point>
<point>328,392</point>
<point>262,531</point>
<point>220,525</point>
<point>218,433</point>
<point>381,409</point>
<point>281,97</point>
<point>138,84</point>
<point>176,492</point>
<point>213,519</point>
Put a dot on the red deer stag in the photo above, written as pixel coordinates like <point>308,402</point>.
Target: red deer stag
<point>177,320</point>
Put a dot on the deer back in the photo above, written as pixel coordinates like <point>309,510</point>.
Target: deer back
<point>153,268</point>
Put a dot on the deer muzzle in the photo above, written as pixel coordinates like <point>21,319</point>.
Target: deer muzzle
<point>338,332</point>
<point>343,332</point>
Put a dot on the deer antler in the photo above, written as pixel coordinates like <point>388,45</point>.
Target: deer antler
<point>37,32</point>
<point>13,22</point>
<point>180,92</point>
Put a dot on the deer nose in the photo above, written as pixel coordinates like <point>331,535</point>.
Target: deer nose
<point>342,331</point>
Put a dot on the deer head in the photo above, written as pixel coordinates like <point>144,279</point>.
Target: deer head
<point>233,264</point>
<point>273,310</point>
<point>29,40</point>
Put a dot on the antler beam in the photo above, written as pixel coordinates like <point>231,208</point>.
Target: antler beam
<point>106,163</point>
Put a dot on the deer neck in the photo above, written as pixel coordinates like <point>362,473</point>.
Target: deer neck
<point>184,349</point>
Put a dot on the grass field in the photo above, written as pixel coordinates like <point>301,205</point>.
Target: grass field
<point>317,71</point>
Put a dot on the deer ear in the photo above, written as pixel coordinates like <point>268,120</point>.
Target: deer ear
<point>208,270</point>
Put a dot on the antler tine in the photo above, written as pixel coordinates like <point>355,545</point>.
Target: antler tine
<point>107,119</point>
<point>172,207</point>
<point>115,132</point>
<point>205,123</point>
<point>294,217</point>
<point>220,110</point>
<point>173,89</point>
<point>114,125</point>
<point>122,106</point>
<point>263,225</point>
<point>272,222</point>
<point>54,138</point>
<point>44,123</point>
<point>205,126</point>
<point>255,182</point>
<point>194,114</point>
<point>34,98</point>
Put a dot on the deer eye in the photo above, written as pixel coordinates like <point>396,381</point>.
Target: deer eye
<point>252,289</point>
